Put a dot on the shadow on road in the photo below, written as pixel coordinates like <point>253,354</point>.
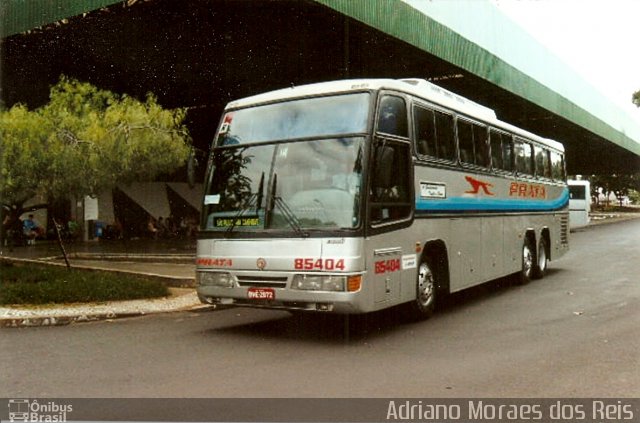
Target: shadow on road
<point>487,291</point>
<point>316,327</point>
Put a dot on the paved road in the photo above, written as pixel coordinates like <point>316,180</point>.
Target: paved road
<point>574,333</point>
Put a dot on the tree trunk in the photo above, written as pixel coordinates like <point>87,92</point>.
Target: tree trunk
<point>60,244</point>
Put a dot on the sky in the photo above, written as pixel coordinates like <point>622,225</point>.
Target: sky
<point>599,39</point>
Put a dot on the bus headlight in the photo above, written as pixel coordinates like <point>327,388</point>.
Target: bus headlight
<point>222,279</point>
<point>318,282</point>
<point>327,283</point>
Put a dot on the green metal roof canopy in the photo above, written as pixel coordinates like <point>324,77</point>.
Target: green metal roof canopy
<point>18,16</point>
<point>463,36</point>
<point>579,103</point>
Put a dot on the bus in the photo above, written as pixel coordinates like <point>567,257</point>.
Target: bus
<point>579,203</point>
<point>357,195</point>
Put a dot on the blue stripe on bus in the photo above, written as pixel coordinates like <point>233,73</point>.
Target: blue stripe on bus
<point>465,204</point>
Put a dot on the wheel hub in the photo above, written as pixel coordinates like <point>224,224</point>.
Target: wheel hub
<point>527,260</point>
<point>426,285</point>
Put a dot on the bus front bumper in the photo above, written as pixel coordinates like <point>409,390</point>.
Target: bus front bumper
<point>285,299</point>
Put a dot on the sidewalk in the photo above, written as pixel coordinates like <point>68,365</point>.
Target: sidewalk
<point>171,261</point>
<point>598,218</point>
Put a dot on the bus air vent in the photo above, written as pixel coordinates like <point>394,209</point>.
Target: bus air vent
<point>263,281</point>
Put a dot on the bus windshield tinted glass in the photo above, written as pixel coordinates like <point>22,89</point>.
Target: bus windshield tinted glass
<point>310,117</point>
<point>286,186</point>
<point>577,192</point>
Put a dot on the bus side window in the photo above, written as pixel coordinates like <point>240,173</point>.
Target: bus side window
<point>480,145</point>
<point>518,152</point>
<point>532,159</point>
<point>542,162</point>
<point>465,142</point>
<point>444,135</point>
<point>391,184</point>
<point>495,139</point>
<point>548,172</point>
<point>507,152</point>
<point>425,132</point>
<point>557,166</point>
<point>523,155</point>
<point>392,116</point>
<point>472,143</point>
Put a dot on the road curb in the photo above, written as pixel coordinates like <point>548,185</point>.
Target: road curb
<point>62,320</point>
<point>138,257</point>
<point>46,321</point>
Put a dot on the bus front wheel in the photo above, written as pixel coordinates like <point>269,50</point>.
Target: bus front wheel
<point>426,291</point>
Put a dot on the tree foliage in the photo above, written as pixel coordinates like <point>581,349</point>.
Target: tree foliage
<point>84,141</point>
<point>620,185</point>
<point>23,154</point>
<point>635,98</point>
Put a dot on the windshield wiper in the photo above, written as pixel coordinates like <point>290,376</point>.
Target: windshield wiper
<point>242,211</point>
<point>254,196</point>
<point>259,193</point>
<point>289,216</point>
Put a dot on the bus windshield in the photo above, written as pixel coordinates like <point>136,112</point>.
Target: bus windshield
<point>286,186</point>
<point>303,118</point>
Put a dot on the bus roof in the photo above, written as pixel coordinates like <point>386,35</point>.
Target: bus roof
<point>418,87</point>
<point>577,182</point>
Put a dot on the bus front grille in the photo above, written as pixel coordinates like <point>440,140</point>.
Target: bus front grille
<point>263,281</point>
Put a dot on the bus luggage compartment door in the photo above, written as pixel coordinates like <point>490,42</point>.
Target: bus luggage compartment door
<point>387,268</point>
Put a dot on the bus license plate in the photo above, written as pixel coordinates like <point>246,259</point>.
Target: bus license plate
<point>261,294</point>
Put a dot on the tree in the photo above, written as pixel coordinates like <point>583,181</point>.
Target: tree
<point>84,141</point>
<point>620,185</point>
<point>23,156</point>
<point>635,98</point>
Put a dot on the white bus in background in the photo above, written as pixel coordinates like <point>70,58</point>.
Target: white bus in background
<point>579,203</point>
<point>354,196</point>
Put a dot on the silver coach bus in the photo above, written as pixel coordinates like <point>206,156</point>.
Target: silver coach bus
<point>353,196</point>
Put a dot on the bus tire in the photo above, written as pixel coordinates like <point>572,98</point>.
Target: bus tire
<point>528,260</point>
<point>423,306</point>
<point>540,268</point>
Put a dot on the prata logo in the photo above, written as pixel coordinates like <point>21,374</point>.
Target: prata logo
<point>477,185</point>
<point>32,411</point>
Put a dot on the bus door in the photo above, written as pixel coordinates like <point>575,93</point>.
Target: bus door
<point>390,212</point>
<point>390,198</point>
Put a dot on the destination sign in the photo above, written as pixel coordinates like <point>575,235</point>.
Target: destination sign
<point>243,221</point>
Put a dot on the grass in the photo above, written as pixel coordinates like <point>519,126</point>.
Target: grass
<point>47,285</point>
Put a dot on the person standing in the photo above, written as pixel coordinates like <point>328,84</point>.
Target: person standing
<point>30,229</point>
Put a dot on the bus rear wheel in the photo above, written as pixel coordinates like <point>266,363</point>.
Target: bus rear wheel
<point>426,292</point>
<point>540,268</point>
<point>528,255</point>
